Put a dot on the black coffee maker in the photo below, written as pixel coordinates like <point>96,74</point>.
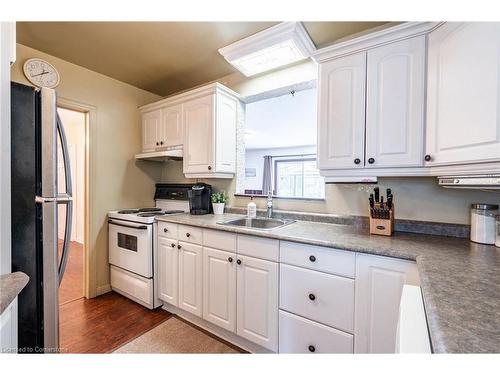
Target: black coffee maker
<point>200,202</point>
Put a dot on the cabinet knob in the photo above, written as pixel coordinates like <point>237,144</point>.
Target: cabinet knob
<point>312,258</point>
<point>357,161</point>
<point>238,261</point>
<point>161,142</point>
<point>371,160</point>
<point>312,349</point>
<point>312,297</point>
<point>230,260</point>
<point>179,247</point>
<point>188,235</point>
<point>165,230</point>
<point>157,143</point>
<point>209,168</point>
<point>427,157</point>
<point>173,245</point>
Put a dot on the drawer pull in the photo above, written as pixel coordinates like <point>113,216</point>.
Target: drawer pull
<point>312,297</point>
<point>165,230</point>
<point>311,348</point>
<point>312,258</point>
<point>238,261</point>
<point>230,260</point>
<point>179,247</point>
<point>188,235</point>
<point>173,245</point>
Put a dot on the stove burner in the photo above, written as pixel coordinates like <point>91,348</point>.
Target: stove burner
<point>149,209</point>
<point>133,211</point>
<point>150,214</point>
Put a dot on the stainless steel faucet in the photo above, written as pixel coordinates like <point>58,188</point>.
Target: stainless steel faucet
<point>270,203</point>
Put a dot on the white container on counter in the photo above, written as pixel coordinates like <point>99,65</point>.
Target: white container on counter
<point>482,223</point>
<point>497,241</point>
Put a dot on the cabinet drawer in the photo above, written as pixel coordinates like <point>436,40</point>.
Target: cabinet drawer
<point>219,240</point>
<point>325,298</point>
<point>338,262</point>
<point>259,247</point>
<point>190,234</point>
<point>133,286</point>
<point>300,335</point>
<point>169,230</point>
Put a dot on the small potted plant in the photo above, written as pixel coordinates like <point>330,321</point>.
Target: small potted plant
<point>218,202</point>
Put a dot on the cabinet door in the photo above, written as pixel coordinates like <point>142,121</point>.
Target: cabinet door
<point>225,142</point>
<point>341,129</point>
<point>168,264</point>
<point>171,126</point>
<point>219,288</point>
<point>151,130</point>
<point>463,116</point>
<point>395,104</point>
<point>198,117</point>
<point>190,278</point>
<point>379,283</point>
<point>257,301</point>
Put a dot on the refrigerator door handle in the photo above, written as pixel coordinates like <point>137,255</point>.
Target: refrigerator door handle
<point>65,198</point>
<point>67,239</point>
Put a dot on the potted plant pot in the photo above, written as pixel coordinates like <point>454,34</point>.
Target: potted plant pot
<point>218,208</point>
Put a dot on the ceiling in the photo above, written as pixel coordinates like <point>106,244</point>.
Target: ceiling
<point>161,57</point>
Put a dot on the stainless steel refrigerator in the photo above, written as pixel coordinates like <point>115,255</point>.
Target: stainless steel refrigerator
<point>37,135</point>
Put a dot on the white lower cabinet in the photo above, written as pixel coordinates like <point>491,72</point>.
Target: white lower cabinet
<point>325,298</point>
<point>8,328</point>
<point>300,335</point>
<point>257,301</point>
<point>168,267</point>
<point>190,278</point>
<point>379,284</point>
<point>219,288</point>
<point>313,300</point>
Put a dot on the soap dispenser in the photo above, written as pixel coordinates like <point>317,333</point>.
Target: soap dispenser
<point>251,209</point>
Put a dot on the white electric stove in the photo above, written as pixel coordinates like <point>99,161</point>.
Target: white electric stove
<point>132,244</point>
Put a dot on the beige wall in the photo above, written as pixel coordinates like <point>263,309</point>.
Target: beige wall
<point>117,179</point>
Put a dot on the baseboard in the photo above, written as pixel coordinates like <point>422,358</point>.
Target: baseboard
<point>102,289</point>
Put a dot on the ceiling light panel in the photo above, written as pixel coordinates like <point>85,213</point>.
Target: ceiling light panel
<point>277,46</point>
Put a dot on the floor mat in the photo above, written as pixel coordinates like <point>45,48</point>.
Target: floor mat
<point>176,336</point>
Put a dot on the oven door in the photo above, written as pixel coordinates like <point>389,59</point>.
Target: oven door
<point>131,246</point>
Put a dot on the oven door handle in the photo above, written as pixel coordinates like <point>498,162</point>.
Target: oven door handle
<point>127,225</point>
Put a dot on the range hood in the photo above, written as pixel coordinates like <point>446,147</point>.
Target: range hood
<point>487,182</point>
<point>161,156</point>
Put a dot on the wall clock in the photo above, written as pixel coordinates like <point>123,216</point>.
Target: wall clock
<point>41,73</point>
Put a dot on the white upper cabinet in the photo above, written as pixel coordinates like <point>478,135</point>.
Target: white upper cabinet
<point>463,98</point>
<point>199,135</point>
<point>341,130</point>
<point>202,122</point>
<point>395,104</point>
<point>171,126</point>
<point>151,133</point>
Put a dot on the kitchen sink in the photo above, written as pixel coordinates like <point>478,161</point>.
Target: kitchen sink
<point>258,223</point>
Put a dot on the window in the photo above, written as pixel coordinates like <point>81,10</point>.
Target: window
<point>298,178</point>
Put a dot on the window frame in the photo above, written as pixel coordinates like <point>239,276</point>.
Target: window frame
<point>291,158</point>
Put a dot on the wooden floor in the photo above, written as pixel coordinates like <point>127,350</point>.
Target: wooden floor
<point>102,324</point>
<point>72,283</point>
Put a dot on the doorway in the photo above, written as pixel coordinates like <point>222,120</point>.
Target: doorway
<point>73,282</point>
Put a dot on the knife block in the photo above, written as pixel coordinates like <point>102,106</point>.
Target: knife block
<point>383,227</point>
